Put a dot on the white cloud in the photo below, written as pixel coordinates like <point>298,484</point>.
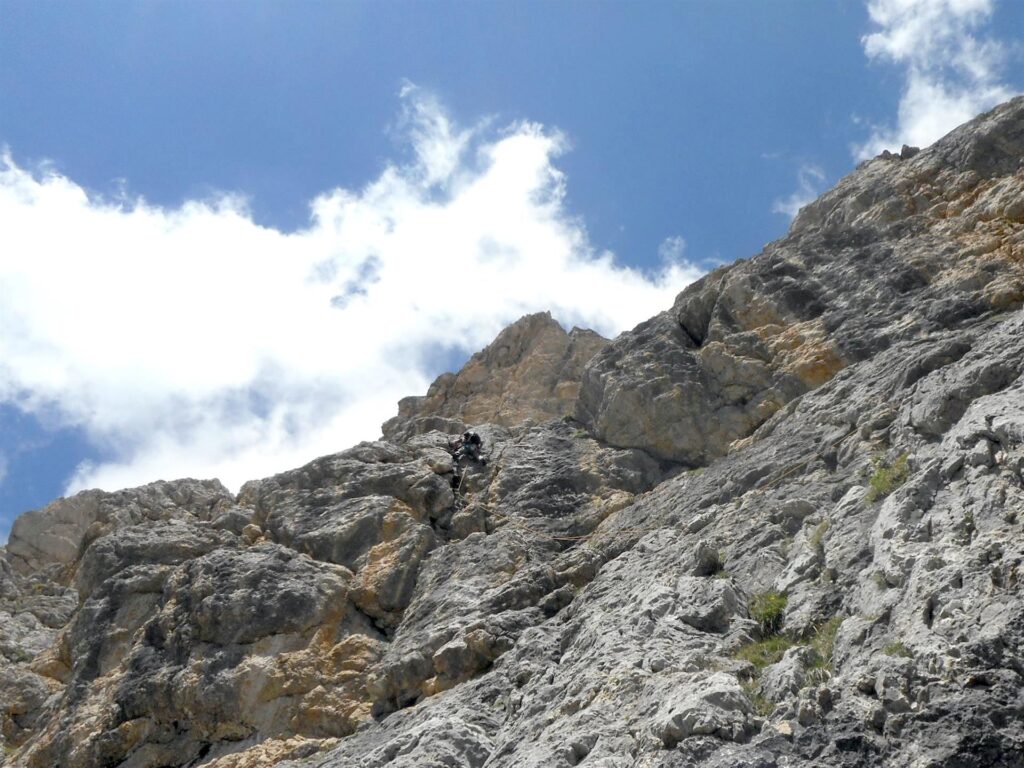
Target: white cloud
<point>809,180</point>
<point>3,468</point>
<point>195,342</point>
<point>672,249</point>
<point>953,71</point>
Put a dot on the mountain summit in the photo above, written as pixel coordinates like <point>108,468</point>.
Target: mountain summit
<point>779,524</point>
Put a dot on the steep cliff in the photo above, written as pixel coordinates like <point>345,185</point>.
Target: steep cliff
<point>781,528</point>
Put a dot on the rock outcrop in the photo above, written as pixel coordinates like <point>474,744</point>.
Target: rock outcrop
<point>532,370</point>
<point>783,528</point>
<point>895,250</point>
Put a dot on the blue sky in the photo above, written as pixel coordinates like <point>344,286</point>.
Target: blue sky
<point>233,234</point>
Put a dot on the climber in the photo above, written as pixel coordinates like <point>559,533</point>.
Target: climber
<point>469,445</point>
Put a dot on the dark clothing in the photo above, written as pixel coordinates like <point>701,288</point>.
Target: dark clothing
<point>468,445</point>
<point>470,451</point>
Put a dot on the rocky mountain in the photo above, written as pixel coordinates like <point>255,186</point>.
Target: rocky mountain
<point>779,524</point>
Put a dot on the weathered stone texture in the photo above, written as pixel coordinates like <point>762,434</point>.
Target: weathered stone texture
<point>530,371</point>
<point>896,249</point>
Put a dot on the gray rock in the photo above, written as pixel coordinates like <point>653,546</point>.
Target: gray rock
<point>56,534</point>
<point>718,707</point>
<point>785,678</point>
<point>708,604</point>
<point>161,543</point>
<point>748,338</point>
<point>22,696</point>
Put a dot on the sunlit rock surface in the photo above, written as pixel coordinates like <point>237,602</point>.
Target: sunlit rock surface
<point>530,371</point>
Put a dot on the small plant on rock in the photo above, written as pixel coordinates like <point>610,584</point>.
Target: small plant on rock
<point>968,526</point>
<point>818,537</point>
<point>887,477</point>
<point>768,610</point>
<point>823,641</point>
<point>762,705</point>
<point>898,649</point>
<point>764,653</point>
<point>716,565</point>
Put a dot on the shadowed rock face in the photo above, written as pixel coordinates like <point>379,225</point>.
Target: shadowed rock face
<point>855,396</point>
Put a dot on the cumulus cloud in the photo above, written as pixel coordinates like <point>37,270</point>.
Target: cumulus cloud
<point>953,68</point>
<point>809,180</point>
<point>192,341</point>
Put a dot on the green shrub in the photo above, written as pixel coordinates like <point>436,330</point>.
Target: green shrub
<point>887,477</point>
<point>766,652</point>
<point>898,649</point>
<point>768,610</point>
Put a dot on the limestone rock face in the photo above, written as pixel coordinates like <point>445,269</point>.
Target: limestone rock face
<point>55,535</point>
<point>900,248</point>
<point>530,371</point>
<point>837,583</point>
<point>181,640</point>
<point>903,619</point>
